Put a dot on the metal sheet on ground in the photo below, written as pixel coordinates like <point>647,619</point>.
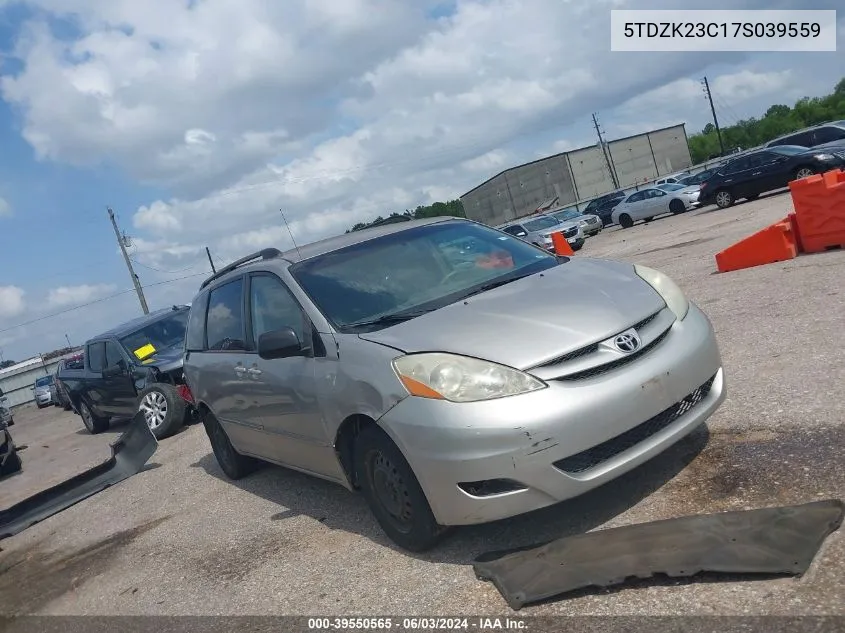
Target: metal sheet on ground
<point>780,540</point>
<point>129,454</point>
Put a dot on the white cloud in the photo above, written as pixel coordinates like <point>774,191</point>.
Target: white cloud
<point>5,208</point>
<point>74,295</point>
<point>11,301</point>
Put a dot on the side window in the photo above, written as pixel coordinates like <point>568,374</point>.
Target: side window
<point>273,307</point>
<point>97,356</point>
<point>636,197</point>
<point>195,335</point>
<point>514,230</point>
<point>656,193</point>
<point>829,134</point>
<point>113,354</point>
<point>736,166</point>
<point>225,317</point>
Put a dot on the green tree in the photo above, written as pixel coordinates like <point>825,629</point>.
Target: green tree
<point>778,120</point>
<point>453,208</point>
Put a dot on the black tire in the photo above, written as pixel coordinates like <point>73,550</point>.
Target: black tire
<point>67,406</point>
<point>382,471</point>
<point>94,423</point>
<point>676,206</point>
<point>231,462</point>
<point>11,422</point>
<point>40,406</point>
<point>577,246</point>
<point>625,221</point>
<point>163,408</point>
<point>724,198</point>
<point>803,172</point>
<point>12,465</point>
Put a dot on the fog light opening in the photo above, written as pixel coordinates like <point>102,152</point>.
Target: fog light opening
<point>490,487</point>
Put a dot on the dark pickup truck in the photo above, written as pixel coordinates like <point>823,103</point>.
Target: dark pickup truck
<point>135,367</point>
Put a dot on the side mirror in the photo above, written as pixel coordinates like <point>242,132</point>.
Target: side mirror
<point>281,343</point>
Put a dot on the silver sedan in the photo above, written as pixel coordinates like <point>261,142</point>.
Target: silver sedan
<point>646,204</point>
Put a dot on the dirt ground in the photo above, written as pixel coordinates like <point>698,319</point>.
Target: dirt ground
<point>179,538</point>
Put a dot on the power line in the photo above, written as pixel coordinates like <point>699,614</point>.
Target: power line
<point>100,300</point>
<point>159,270</point>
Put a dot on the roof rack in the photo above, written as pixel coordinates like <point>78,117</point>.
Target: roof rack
<point>267,253</point>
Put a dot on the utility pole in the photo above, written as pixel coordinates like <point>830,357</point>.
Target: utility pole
<point>715,120</point>
<point>210,261</point>
<point>67,338</point>
<point>604,152</point>
<point>121,241</point>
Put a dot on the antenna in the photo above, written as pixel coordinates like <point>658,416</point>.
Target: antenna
<point>290,233</point>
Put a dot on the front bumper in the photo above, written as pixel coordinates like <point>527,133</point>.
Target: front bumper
<point>43,399</point>
<point>521,438</point>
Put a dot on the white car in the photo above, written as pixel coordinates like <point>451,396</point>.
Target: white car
<point>646,204</point>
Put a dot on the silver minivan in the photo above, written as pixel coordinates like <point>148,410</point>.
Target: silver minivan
<point>451,372</point>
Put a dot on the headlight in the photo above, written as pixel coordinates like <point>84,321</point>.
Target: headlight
<point>460,378</point>
<point>666,288</point>
<point>825,156</point>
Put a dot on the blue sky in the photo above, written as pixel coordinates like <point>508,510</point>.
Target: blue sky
<point>197,124</point>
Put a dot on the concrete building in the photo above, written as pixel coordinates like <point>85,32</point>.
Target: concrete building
<point>17,381</point>
<point>578,175</point>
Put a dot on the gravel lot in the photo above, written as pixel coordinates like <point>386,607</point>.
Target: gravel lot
<point>180,539</point>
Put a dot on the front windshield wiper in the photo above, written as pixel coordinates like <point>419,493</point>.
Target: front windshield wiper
<point>390,319</point>
<point>495,284</point>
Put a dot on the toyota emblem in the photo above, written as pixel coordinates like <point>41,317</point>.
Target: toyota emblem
<point>627,342</point>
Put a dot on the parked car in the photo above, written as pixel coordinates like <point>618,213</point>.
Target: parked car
<point>819,137</point>
<point>135,367</point>
<point>766,170</point>
<point>447,395</point>
<point>44,391</point>
<point>603,206</point>
<point>6,416</point>
<point>590,224</point>
<point>10,459</point>
<point>700,177</point>
<point>646,204</point>
<point>673,179</point>
<point>74,365</point>
<point>537,229</point>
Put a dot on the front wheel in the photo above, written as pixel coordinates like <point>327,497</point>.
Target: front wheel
<point>676,206</point>
<point>163,409</point>
<point>724,199</point>
<point>804,172</point>
<point>625,221</point>
<point>393,492</point>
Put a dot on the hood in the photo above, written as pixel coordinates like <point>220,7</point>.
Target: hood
<point>535,319</point>
<point>166,359</point>
<point>562,226</point>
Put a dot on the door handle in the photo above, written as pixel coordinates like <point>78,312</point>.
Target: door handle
<point>254,371</point>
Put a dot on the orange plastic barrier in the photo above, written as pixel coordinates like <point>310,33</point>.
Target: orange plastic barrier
<point>819,203</point>
<point>562,247</point>
<point>775,243</point>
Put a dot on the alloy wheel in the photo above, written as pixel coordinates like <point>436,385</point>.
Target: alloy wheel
<point>154,408</point>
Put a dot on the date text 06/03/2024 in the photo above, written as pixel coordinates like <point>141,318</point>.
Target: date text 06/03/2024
<point>415,624</point>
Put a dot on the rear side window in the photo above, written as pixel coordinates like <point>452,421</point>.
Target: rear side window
<point>195,336</point>
<point>225,317</point>
<point>97,356</point>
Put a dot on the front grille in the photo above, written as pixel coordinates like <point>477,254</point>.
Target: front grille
<point>590,349</point>
<point>615,364</point>
<point>592,457</point>
<point>570,232</point>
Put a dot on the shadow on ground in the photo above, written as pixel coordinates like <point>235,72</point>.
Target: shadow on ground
<point>338,508</point>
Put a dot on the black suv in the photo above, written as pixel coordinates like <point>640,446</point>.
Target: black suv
<point>766,170</point>
<point>603,206</point>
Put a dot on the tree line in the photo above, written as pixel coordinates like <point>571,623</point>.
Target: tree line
<point>778,120</point>
<point>452,207</point>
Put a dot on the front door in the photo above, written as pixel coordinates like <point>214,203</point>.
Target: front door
<point>283,391</point>
<point>118,382</point>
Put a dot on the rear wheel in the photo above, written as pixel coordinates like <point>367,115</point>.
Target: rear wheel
<point>393,492</point>
<point>676,206</point>
<point>724,198</point>
<point>12,465</point>
<point>804,172</point>
<point>163,409</point>
<point>94,423</point>
<point>231,462</point>
<point>625,221</point>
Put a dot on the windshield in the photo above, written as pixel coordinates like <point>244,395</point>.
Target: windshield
<point>44,381</point>
<point>788,150</point>
<point>161,334</point>
<point>413,271</point>
<point>538,224</point>
<point>669,186</point>
<point>567,214</point>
